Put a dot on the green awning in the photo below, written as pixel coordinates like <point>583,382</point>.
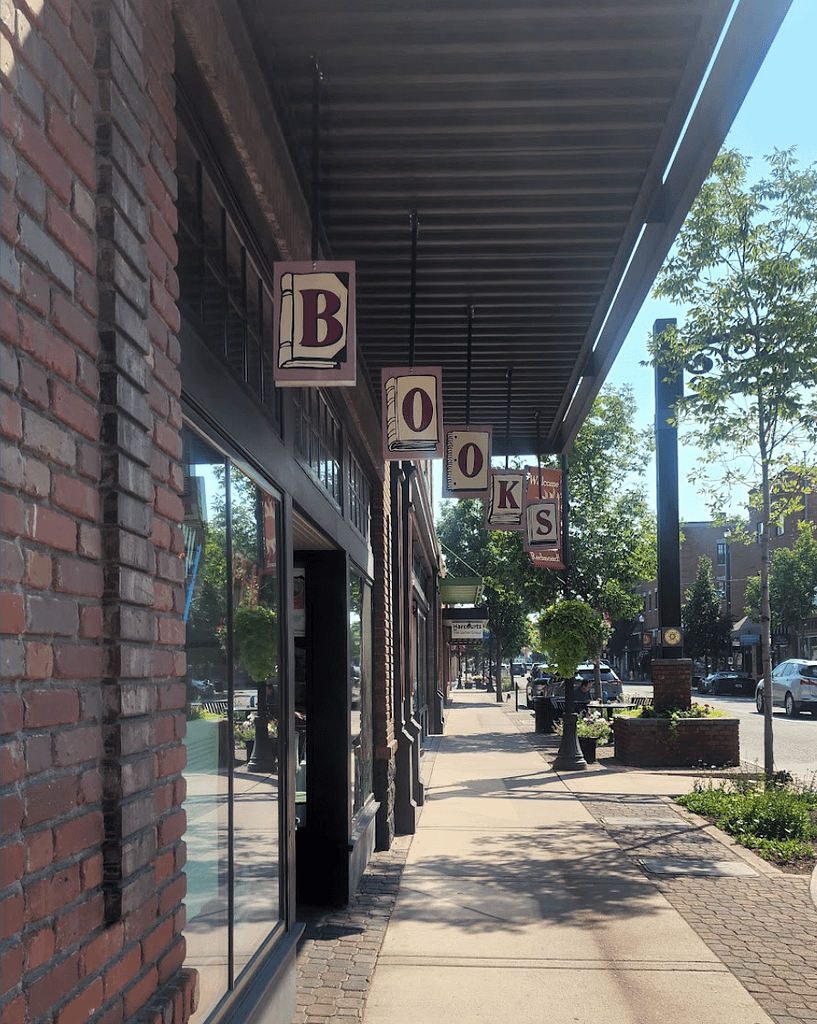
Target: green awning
<point>461,589</point>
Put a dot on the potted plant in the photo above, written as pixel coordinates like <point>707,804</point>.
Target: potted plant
<point>591,730</point>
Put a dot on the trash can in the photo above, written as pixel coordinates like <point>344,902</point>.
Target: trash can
<point>543,714</point>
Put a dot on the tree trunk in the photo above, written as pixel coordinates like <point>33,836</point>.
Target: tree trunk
<point>766,627</point>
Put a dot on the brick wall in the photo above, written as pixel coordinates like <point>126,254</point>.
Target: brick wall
<point>92,854</point>
<point>672,683</point>
<point>649,742</point>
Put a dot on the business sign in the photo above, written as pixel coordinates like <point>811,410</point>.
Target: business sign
<point>412,412</point>
<point>504,501</point>
<point>542,517</point>
<point>467,465</point>
<point>314,324</point>
<point>468,630</point>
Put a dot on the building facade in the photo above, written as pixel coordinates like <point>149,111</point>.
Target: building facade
<point>193,559</point>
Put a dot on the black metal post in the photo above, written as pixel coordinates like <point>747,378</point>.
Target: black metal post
<point>669,388</point>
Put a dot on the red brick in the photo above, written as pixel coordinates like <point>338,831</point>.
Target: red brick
<point>11,915</point>
<point>48,348</point>
<point>90,787</point>
<point>39,948</point>
<point>74,324</point>
<point>75,411</point>
<point>91,872</point>
<point>137,995</point>
<point>36,289</point>
<point>40,847</point>
<point>173,895</point>
<point>171,828</point>
<point>48,895</point>
<point>101,949</point>
<point>45,159</point>
<point>12,613</point>
<point>78,576</point>
<point>11,969</point>
<point>90,623</point>
<point>14,1011</point>
<point>39,661</point>
<point>75,496</point>
<point>77,835</point>
<point>45,708</point>
<point>12,421</point>
<point>82,1007</point>
<point>78,154</point>
<point>48,800</point>
<point>12,511</point>
<point>34,384</point>
<point>73,746</point>
<point>53,986</point>
<point>12,762</point>
<point>79,921</point>
<point>39,571</point>
<point>12,862</point>
<point>53,529</point>
<point>119,975</point>
<point>172,962</point>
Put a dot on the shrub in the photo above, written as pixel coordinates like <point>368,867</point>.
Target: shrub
<point>776,818</point>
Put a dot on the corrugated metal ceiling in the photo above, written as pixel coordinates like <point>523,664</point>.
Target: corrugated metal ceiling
<point>532,140</point>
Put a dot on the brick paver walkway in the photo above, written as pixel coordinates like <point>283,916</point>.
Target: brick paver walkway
<point>763,927</point>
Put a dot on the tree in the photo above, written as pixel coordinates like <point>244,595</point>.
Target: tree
<point>512,588</point>
<point>792,585</point>
<point>706,631</point>
<point>745,266</point>
<point>612,530</point>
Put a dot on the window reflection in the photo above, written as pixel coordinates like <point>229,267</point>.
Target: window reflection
<point>361,700</point>
<point>233,849</point>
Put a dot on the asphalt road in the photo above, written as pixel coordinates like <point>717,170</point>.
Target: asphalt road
<point>795,739</point>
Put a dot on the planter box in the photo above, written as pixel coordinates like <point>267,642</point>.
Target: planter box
<point>647,743</point>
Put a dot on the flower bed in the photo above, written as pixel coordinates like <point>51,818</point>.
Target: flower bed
<point>676,741</point>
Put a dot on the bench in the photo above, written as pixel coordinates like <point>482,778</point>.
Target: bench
<point>215,707</point>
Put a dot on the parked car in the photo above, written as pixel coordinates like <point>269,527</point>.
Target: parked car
<point>538,685</point>
<point>611,688</point>
<point>726,682</point>
<point>794,687</point>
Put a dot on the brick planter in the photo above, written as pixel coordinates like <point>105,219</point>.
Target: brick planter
<point>646,742</point>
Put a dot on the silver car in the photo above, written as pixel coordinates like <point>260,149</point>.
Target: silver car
<point>794,687</point>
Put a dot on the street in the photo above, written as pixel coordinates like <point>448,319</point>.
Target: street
<point>795,739</point>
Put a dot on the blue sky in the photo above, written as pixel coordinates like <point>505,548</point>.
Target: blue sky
<point>778,112</point>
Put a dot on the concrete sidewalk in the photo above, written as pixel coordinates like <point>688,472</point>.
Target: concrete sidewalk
<point>527,896</point>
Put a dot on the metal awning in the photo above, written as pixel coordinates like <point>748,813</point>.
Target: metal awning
<point>551,150</point>
<point>461,590</point>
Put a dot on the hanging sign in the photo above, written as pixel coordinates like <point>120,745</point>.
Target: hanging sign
<point>412,412</point>
<point>467,458</point>
<point>468,630</point>
<point>314,324</point>
<point>543,517</point>
<point>503,504</point>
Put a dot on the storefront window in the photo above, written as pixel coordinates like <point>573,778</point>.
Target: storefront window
<point>233,644</point>
<point>360,620</point>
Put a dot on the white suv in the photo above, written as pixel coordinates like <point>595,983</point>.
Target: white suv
<point>794,687</point>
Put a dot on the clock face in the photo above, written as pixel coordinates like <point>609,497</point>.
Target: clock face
<point>672,637</point>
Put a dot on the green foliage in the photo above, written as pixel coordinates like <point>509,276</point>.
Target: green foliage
<point>255,640</point>
<point>571,632</point>
<point>594,726</point>
<point>779,821</point>
<point>706,631</point>
<point>792,582</point>
<point>745,265</point>
<point>612,531</point>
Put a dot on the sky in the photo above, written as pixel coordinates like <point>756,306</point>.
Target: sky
<point>778,112</point>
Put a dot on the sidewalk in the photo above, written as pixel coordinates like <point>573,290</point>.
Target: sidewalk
<point>588,896</point>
